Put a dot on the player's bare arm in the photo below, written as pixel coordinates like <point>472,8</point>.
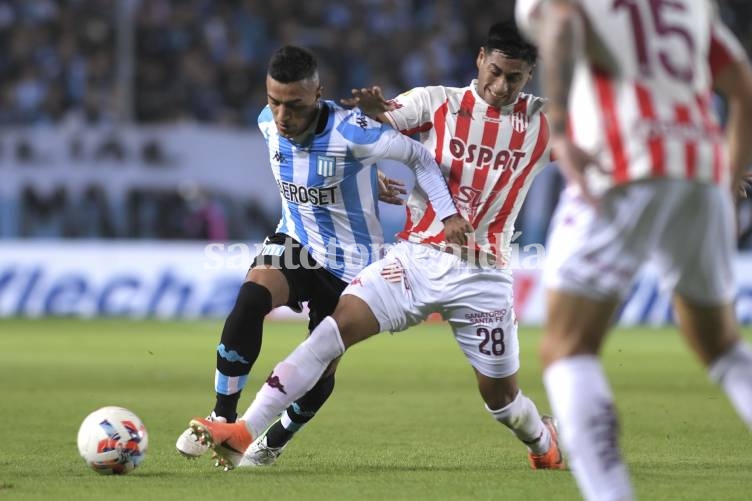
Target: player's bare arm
<point>561,44</point>
<point>417,157</point>
<point>735,83</point>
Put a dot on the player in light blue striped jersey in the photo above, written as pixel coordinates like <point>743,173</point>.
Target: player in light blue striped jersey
<point>323,160</point>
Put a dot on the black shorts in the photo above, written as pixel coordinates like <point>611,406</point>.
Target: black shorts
<point>308,280</point>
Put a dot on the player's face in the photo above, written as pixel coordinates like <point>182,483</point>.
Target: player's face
<point>293,104</point>
<point>500,79</point>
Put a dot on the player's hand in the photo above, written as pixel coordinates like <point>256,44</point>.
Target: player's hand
<point>573,162</point>
<point>456,230</point>
<point>370,100</point>
<point>391,189</point>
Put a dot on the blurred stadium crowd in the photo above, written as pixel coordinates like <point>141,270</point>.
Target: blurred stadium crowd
<point>204,61</point>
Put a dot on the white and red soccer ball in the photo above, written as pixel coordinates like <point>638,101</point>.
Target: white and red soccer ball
<point>112,440</point>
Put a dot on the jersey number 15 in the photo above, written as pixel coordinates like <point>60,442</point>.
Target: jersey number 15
<point>663,29</point>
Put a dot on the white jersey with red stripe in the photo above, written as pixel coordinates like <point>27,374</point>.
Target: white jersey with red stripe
<point>488,155</point>
<point>646,111</point>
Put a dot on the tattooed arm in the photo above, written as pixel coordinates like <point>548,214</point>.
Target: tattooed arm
<point>561,45</point>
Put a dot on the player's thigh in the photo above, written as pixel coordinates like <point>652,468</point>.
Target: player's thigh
<point>278,268</point>
<point>355,319</point>
<point>322,290</point>
<point>709,330</point>
<point>273,280</point>
<point>695,252</point>
<point>597,252</point>
<point>485,327</point>
<point>695,259</point>
<point>575,325</point>
<point>388,290</point>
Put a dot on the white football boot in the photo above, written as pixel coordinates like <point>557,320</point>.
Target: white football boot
<point>189,445</point>
<point>259,453</point>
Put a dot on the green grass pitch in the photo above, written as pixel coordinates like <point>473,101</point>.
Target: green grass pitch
<point>405,420</point>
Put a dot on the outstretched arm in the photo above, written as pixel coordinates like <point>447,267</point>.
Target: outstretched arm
<point>432,182</point>
<point>372,102</point>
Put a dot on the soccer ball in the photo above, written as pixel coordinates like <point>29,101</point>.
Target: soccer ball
<point>112,440</point>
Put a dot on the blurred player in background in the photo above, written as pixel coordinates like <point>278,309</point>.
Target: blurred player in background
<point>629,84</point>
<point>322,157</point>
<point>491,141</point>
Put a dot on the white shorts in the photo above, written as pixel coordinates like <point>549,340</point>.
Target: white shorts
<point>413,280</point>
<point>685,229</point>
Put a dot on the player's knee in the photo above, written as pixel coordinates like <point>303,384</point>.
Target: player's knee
<point>355,320</point>
<point>254,298</point>
<point>550,350</point>
<point>498,393</point>
<point>547,351</point>
<point>325,342</point>
<point>348,327</point>
<point>558,344</point>
<point>500,401</point>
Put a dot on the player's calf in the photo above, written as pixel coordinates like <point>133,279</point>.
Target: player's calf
<point>522,418</point>
<point>240,346</point>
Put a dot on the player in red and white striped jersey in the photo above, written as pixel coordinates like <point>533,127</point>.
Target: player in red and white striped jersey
<point>655,118</point>
<point>490,141</point>
<point>651,178</point>
<point>489,147</point>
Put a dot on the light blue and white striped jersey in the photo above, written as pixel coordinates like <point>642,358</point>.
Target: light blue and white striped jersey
<point>329,187</point>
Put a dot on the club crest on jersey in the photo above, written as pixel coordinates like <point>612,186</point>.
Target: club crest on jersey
<point>519,122</point>
<point>397,105</point>
<point>325,165</point>
<point>394,273</point>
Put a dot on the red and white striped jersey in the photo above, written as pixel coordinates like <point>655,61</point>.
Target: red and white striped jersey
<point>649,114</point>
<point>488,155</point>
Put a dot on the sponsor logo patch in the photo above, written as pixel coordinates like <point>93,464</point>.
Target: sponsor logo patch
<point>274,382</point>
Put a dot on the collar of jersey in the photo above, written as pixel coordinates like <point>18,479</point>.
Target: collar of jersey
<point>325,108</point>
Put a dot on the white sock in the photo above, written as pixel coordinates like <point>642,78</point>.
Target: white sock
<point>522,418</point>
<point>733,372</point>
<point>294,376</point>
<point>582,402</point>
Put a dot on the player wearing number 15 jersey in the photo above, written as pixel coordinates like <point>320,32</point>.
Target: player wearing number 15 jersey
<point>488,154</point>
<point>630,81</point>
<point>490,141</point>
